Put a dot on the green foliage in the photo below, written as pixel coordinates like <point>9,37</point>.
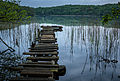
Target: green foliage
<point>30,11</point>
<point>10,11</point>
<point>106,18</point>
<point>115,13</point>
<point>89,10</point>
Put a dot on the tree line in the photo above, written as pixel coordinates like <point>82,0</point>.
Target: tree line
<point>94,10</point>
<point>10,10</point>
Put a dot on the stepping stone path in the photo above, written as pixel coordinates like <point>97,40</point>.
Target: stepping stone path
<point>41,64</point>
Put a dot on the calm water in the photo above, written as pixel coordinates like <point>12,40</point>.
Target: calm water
<point>86,48</point>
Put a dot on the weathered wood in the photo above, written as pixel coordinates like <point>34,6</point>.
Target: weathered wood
<point>34,68</point>
<point>58,26</point>
<point>43,50</point>
<point>54,30</point>
<point>44,44</point>
<point>47,41</point>
<point>40,53</point>
<point>31,79</point>
<point>16,68</point>
<point>39,68</point>
<point>48,33</point>
<point>44,47</point>
<point>44,31</point>
<point>33,45</point>
<point>9,48</point>
<point>48,36</point>
<point>61,70</point>
<point>40,65</point>
<point>48,62</point>
<point>51,27</point>
<point>43,58</point>
<point>37,73</point>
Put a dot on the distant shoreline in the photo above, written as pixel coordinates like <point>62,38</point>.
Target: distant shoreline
<point>75,15</point>
<point>69,15</point>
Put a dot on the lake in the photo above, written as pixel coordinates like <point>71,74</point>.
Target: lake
<point>90,51</point>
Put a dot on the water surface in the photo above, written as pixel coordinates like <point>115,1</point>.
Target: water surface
<point>82,50</point>
<point>89,50</point>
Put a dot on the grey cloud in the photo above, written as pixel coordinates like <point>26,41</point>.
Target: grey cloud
<point>49,3</point>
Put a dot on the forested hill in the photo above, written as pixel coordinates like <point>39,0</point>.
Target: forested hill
<point>95,10</point>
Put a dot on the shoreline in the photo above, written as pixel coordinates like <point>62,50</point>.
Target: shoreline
<point>68,16</point>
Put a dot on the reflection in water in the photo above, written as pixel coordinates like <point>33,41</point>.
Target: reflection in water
<point>69,20</point>
<point>95,53</point>
<point>19,38</point>
<point>75,21</point>
<point>72,37</point>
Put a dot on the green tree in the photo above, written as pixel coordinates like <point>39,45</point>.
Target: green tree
<point>115,13</point>
<point>10,11</point>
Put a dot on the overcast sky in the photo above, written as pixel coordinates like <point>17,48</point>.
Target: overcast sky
<point>49,3</point>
